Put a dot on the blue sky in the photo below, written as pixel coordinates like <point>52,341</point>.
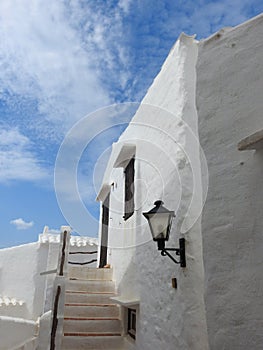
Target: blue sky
<point>62,60</point>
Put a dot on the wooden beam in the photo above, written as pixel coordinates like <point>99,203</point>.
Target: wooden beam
<point>254,141</point>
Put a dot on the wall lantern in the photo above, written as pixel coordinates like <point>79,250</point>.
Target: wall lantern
<point>160,222</point>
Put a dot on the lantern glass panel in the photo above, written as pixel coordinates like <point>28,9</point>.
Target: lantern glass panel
<point>159,225</point>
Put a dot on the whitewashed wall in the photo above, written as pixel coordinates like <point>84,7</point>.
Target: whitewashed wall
<point>230,105</point>
<point>25,294</point>
<point>20,279</point>
<point>216,87</point>
<point>164,132</point>
<point>15,332</point>
<point>23,291</point>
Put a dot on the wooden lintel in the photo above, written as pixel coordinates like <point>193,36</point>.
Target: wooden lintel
<point>254,141</point>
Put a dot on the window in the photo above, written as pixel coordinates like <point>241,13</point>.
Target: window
<point>129,190</point>
<point>132,323</point>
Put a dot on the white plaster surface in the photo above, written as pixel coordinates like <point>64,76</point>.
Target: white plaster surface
<point>45,324</point>
<point>218,92</point>
<point>15,331</point>
<point>230,105</point>
<point>24,292</point>
<point>20,278</point>
<point>12,307</point>
<point>164,132</point>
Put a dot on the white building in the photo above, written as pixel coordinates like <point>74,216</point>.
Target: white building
<point>208,93</point>
<point>201,116</point>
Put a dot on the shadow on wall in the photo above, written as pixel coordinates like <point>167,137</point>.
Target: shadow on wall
<point>128,286</point>
<point>128,289</point>
<point>233,246</point>
<point>257,185</point>
<point>40,281</point>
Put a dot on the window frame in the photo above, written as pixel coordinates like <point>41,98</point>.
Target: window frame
<point>131,324</point>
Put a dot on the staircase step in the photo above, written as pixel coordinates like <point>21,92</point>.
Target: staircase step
<point>89,298</point>
<point>92,334</point>
<point>108,310</point>
<point>92,342</point>
<point>94,286</point>
<point>87,273</point>
<point>91,318</point>
<point>102,325</point>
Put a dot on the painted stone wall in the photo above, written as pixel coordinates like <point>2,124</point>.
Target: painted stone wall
<point>212,92</point>
<point>16,332</point>
<point>20,278</point>
<point>23,291</point>
<point>164,135</point>
<point>230,105</point>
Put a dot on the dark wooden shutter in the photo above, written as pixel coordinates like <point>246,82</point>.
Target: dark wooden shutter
<point>104,232</point>
<point>129,190</point>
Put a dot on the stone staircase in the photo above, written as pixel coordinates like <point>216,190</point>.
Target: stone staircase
<point>91,318</point>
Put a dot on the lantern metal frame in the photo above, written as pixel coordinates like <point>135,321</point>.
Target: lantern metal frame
<point>160,209</point>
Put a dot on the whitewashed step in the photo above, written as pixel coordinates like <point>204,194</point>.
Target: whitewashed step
<point>89,298</point>
<point>92,342</point>
<point>104,310</point>
<point>93,286</point>
<point>88,273</point>
<point>97,326</point>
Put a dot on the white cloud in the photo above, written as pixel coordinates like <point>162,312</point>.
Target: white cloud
<point>71,57</point>
<point>21,224</point>
<point>17,161</point>
<point>59,55</point>
<point>125,5</point>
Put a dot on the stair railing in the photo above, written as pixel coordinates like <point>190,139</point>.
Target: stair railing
<point>59,290</point>
<point>83,263</point>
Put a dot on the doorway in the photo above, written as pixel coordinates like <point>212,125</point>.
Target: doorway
<point>104,232</point>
